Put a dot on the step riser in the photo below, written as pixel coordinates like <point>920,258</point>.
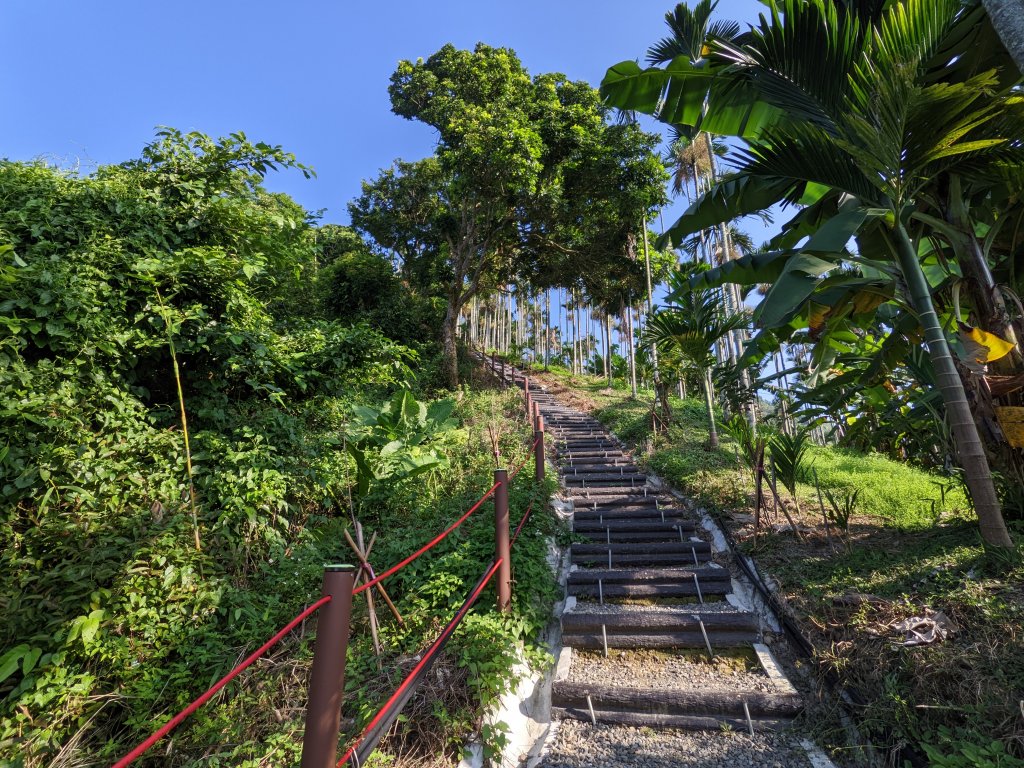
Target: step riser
<point>668,529</point>
<point>684,723</point>
<point>637,510</point>
<point>673,701</point>
<point>667,548</point>
<point>658,622</point>
<point>624,537</point>
<point>711,594</point>
<point>628,560</point>
<point>595,642</point>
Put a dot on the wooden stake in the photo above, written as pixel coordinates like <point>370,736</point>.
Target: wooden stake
<point>364,561</point>
<point>824,516</point>
<point>369,602</point>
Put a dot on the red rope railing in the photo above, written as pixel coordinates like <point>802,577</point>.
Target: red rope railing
<point>251,659</point>
<point>428,657</point>
<point>526,461</point>
<point>429,545</point>
<point>522,522</point>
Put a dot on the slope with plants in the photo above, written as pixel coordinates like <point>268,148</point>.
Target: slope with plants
<point>188,374</point>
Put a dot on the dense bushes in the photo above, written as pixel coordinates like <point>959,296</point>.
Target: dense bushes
<point>132,571</point>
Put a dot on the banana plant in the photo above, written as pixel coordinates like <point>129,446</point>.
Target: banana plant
<point>398,440</point>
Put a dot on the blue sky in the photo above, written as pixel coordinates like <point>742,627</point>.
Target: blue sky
<point>86,82</point>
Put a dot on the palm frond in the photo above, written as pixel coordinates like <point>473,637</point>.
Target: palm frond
<point>799,59</point>
<point>689,29</point>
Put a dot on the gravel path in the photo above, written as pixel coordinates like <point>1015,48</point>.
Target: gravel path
<point>582,745</point>
<point>661,670</point>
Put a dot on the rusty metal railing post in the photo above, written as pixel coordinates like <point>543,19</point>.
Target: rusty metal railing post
<point>538,455</point>
<point>502,548</point>
<point>327,680</point>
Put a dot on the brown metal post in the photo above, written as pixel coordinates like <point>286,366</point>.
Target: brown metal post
<point>501,540</point>
<point>538,456</point>
<point>529,406</point>
<point>327,680</point>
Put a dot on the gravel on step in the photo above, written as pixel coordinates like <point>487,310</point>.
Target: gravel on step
<point>582,745</point>
<point>689,670</point>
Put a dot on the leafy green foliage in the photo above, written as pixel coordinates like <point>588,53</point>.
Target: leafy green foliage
<point>788,454</point>
<point>397,441</point>
<point>528,182</point>
<point>113,619</point>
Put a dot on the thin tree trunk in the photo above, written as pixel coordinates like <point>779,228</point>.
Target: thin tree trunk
<point>628,319</point>
<point>609,371</point>
<point>709,401</point>
<point>977,474</point>
<point>547,328</point>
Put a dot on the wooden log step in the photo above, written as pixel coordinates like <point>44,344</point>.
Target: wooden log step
<point>649,507</point>
<point>618,525</point>
<point>602,456</point>
<point>612,493</point>
<point>648,591</point>
<point>708,591</point>
<point>595,641</point>
<point>637,511</point>
<point>679,559</point>
<point>680,722</point>
<point>675,701</point>
<point>657,622</point>
<point>707,575</point>
<point>628,537</point>
<point>667,547</point>
<point>597,461</point>
<point>623,480</point>
<point>589,470</point>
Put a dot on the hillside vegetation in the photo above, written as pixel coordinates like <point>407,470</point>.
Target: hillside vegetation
<point>187,370</point>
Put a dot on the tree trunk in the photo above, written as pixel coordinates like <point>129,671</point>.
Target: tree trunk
<point>449,350</point>
<point>608,356</point>
<point>547,328</point>
<point>628,320</point>
<point>709,401</point>
<point>1008,19</point>
<point>977,475</point>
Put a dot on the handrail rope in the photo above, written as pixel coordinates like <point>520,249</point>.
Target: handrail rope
<point>406,688</point>
<point>522,522</point>
<point>429,545</point>
<point>175,721</point>
<point>529,455</point>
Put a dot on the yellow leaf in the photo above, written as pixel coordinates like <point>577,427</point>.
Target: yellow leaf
<point>981,346</point>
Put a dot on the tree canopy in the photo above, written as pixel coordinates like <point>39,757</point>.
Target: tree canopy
<point>529,182</point>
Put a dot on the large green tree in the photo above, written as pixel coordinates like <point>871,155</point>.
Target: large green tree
<point>866,111</point>
<point>529,181</point>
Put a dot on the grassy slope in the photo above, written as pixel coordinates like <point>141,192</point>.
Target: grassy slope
<point>961,696</point>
